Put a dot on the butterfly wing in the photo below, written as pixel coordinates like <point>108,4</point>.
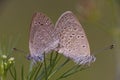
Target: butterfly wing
<point>42,38</point>
<point>73,42</point>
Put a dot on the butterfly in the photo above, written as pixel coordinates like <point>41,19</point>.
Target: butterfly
<point>42,38</point>
<point>73,42</point>
<point>67,37</point>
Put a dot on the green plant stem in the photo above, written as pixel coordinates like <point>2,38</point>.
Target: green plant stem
<point>37,71</point>
<point>51,56</point>
<point>71,72</point>
<point>58,68</point>
<point>31,66</point>
<point>22,72</point>
<point>45,68</point>
<point>53,63</point>
<point>3,77</point>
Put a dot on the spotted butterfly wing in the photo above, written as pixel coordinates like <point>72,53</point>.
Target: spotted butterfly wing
<point>73,42</point>
<point>42,38</point>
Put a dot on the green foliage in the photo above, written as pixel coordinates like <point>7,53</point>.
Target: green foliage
<point>46,70</point>
<point>37,71</point>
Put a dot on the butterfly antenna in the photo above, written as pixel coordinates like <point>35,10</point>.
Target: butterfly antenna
<point>23,52</point>
<point>19,50</point>
<point>105,48</point>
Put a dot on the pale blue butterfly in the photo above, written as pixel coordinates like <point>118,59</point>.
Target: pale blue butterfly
<point>73,42</point>
<point>42,38</point>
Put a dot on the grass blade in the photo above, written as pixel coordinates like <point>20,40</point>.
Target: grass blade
<point>58,68</point>
<point>53,63</point>
<point>45,68</point>
<point>31,73</point>
<point>72,71</point>
<point>11,74</point>
<point>22,72</point>
<point>37,72</point>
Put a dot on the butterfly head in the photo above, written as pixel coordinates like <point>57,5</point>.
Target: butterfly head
<point>35,58</point>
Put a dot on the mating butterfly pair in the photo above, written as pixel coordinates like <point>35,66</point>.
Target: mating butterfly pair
<point>67,37</point>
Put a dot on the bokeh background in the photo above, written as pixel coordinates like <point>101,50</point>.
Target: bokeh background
<point>99,18</point>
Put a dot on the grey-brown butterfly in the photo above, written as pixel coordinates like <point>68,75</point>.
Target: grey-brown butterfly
<point>73,42</point>
<point>42,38</point>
